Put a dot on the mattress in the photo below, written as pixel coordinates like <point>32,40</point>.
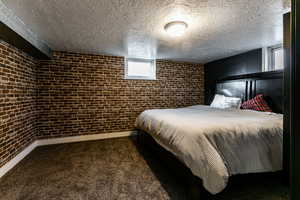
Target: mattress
<point>218,143</point>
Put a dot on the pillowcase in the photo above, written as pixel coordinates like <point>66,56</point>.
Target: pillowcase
<point>258,103</point>
<point>232,102</point>
<point>218,101</point>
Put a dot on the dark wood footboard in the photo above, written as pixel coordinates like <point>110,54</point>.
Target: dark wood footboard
<point>195,190</point>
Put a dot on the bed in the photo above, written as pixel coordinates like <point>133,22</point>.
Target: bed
<point>215,144</point>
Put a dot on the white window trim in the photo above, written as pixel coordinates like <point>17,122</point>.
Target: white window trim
<point>153,64</point>
<point>265,59</point>
<point>267,64</point>
<point>271,49</point>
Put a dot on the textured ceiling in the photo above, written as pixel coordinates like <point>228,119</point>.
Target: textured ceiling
<point>217,28</point>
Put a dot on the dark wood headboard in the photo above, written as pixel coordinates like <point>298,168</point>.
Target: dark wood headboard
<point>247,86</point>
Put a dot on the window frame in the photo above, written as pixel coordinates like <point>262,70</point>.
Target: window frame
<point>153,66</point>
<point>270,58</point>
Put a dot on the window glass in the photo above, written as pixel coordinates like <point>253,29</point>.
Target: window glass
<point>273,58</point>
<point>278,59</point>
<point>140,69</point>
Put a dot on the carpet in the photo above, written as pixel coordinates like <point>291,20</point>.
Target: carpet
<point>115,169</point>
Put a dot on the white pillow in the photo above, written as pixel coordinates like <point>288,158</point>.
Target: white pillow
<point>232,102</point>
<point>218,101</point>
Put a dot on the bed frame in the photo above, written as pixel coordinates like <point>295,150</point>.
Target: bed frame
<point>195,190</point>
<point>270,84</point>
<point>245,86</point>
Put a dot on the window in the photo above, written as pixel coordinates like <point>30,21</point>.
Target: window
<point>140,69</point>
<point>274,58</point>
<point>277,58</point>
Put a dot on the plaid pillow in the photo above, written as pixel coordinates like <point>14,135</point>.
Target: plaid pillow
<point>258,103</point>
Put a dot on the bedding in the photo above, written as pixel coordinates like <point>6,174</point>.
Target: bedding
<point>221,101</point>
<point>218,143</point>
<point>258,103</point>
<point>232,102</point>
<point>218,101</point>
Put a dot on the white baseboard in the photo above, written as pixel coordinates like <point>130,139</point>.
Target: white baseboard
<point>83,138</point>
<point>8,166</point>
<point>43,142</point>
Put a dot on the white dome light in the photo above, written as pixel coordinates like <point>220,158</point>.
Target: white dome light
<point>176,28</point>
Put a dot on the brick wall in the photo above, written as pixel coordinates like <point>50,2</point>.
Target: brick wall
<point>77,94</point>
<point>86,94</point>
<point>17,101</point>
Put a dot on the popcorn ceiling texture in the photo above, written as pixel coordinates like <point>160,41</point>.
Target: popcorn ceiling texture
<point>17,101</point>
<point>78,94</point>
<point>8,17</point>
<point>135,28</point>
<point>86,94</point>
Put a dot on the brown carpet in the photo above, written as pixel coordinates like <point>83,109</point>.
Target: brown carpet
<point>114,169</point>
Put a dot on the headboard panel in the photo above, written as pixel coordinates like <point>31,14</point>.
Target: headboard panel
<point>232,88</point>
<point>270,84</point>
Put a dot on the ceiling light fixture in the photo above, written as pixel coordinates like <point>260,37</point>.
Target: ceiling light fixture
<point>176,28</point>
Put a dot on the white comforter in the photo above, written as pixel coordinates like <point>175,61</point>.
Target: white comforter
<point>216,143</point>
